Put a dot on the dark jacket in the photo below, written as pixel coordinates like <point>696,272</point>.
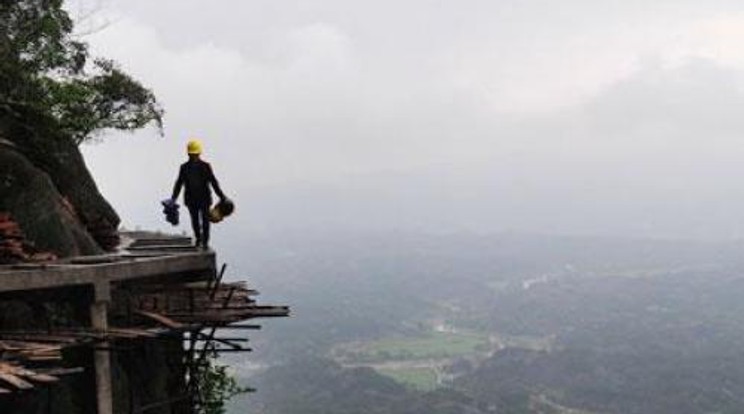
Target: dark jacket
<point>197,176</point>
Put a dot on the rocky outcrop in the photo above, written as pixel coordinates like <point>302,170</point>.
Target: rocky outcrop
<point>47,188</point>
<point>47,220</point>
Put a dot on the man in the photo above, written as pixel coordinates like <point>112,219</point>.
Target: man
<point>196,176</point>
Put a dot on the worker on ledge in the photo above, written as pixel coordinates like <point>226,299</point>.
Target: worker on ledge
<point>197,176</point>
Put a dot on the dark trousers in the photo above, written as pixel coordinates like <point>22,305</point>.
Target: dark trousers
<point>200,223</point>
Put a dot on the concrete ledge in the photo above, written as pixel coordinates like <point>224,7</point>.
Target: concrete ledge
<point>124,269</point>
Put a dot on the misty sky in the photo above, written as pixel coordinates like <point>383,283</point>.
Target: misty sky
<point>586,117</point>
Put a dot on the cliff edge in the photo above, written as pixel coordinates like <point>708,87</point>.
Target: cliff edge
<point>47,189</point>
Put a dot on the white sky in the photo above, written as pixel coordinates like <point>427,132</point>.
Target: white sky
<point>611,117</point>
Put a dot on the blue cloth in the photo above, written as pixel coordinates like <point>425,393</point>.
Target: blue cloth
<point>170,209</point>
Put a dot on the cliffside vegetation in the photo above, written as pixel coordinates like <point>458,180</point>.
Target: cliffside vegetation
<point>47,71</point>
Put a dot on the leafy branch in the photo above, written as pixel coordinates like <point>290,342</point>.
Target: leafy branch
<point>44,69</point>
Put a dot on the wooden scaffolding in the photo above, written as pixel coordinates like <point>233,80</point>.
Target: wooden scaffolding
<point>136,297</point>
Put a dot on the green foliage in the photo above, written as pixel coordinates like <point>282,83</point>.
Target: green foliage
<point>216,387</point>
<point>43,68</point>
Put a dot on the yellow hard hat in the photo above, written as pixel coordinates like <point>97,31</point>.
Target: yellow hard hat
<point>194,147</point>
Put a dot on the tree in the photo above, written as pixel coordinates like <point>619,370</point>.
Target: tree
<point>46,71</point>
<point>215,386</point>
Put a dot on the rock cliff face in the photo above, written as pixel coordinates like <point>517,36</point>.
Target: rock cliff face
<point>46,218</point>
<point>47,189</point>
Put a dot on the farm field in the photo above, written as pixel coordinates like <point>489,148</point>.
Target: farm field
<point>434,345</point>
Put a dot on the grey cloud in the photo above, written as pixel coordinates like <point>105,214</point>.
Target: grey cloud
<point>537,115</point>
<point>697,100</point>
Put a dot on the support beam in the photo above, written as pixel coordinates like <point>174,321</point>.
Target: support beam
<point>102,357</point>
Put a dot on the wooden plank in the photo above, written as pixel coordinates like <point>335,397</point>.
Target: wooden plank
<point>161,319</point>
<point>43,357</point>
<point>15,381</point>
<point>63,371</point>
<point>42,378</point>
<point>134,332</point>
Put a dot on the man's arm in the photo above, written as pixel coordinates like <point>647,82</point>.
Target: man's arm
<point>215,184</point>
<point>178,185</point>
